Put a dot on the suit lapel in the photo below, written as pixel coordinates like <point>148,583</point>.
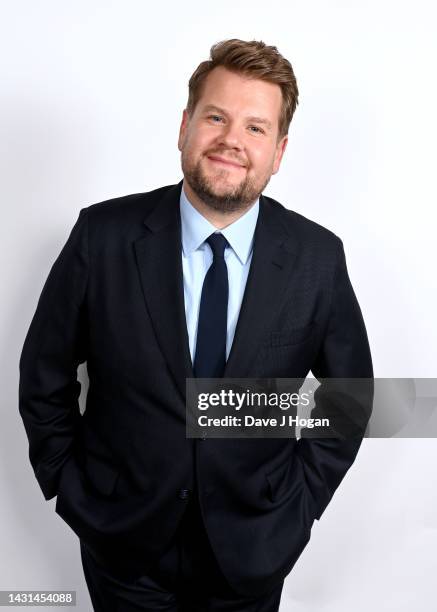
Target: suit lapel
<point>274,252</point>
<point>159,261</point>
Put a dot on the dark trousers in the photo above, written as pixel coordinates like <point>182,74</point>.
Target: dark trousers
<point>186,578</point>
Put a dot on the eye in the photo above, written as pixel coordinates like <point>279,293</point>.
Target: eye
<point>214,117</point>
<point>258,130</point>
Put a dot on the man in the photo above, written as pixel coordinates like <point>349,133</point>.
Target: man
<point>205,278</point>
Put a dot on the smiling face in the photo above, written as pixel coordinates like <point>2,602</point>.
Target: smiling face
<point>229,146</point>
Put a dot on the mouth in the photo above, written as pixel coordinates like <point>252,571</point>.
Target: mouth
<point>224,162</point>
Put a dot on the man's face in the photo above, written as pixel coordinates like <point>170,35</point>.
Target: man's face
<point>229,146</point>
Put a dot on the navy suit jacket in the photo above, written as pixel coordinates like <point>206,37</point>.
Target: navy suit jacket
<point>121,471</point>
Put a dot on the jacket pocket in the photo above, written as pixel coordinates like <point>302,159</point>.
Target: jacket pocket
<point>102,475</point>
<point>278,480</point>
<point>292,336</point>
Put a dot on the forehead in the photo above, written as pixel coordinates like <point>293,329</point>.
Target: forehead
<point>235,91</point>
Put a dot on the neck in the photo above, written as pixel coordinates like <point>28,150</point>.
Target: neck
<point>217,218</point>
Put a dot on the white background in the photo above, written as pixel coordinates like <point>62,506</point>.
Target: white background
<point>91,100</point>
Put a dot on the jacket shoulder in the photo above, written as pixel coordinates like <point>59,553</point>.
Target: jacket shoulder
<point>120,207</point>
<point>309,232</point>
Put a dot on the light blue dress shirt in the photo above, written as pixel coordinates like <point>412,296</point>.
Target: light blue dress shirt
<point>197,257</point>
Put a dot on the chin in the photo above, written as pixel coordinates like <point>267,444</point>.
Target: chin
<point>225,192</point>
<point>221,183</point>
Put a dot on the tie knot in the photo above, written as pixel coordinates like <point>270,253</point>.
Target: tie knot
<point>218,243</point>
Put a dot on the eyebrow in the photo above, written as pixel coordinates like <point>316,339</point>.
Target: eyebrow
<point>252,118</point>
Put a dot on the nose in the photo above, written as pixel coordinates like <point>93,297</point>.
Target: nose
<point>231,137</point>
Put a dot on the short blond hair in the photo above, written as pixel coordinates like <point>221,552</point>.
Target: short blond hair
<point>254,59</point>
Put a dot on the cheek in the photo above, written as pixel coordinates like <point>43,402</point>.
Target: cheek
<point>198,144</point>
<point>261,160</point>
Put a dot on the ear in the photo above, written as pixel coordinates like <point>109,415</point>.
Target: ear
<point>183,128</point>
<point>280,149</point>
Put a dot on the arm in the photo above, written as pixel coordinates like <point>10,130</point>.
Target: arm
<point>56,343</point>
<point>344,354</point>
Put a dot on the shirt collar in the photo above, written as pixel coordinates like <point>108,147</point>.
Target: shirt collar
<point>196,229</point>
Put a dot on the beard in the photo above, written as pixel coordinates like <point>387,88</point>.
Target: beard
<point>226,200</point>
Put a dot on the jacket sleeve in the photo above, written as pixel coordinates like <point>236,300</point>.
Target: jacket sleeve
<point>55,344</point>
<point>344,354</point>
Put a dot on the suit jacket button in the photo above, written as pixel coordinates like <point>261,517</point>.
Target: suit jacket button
<point>184,494</point>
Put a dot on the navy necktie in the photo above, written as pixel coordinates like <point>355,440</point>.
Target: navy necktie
<point>210,356</point>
